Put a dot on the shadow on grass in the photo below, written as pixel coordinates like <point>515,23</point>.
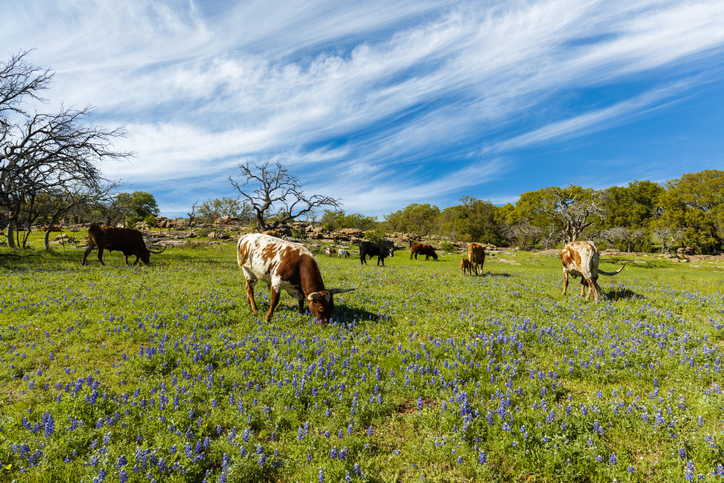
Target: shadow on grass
<point>498,274</point>
<point>345,314</point>
<point>623,294</point>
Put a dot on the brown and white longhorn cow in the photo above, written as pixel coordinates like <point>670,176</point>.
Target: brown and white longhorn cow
<point>288,266</point>
<point>125,240</point>
<point>476,256</point>
<point>580,259</point>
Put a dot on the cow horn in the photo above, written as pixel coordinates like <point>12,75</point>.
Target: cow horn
<point>611,274</point>
<point>314,296</point>
<point>157,252</point>
<point>340,290</point>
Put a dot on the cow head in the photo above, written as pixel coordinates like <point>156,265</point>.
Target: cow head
<point>321,303</point>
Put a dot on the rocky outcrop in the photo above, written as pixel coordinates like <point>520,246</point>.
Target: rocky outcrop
<point>163,222</point>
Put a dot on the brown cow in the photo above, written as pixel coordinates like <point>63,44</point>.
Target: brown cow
<point>466,266</point>
<point>476,256</point>
<point>422,249</point>
<point>125,240</point>
<point>580,258</point>
<point>331,251</point>
<point>288,266</point>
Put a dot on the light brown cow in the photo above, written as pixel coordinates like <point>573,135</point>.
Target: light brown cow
<point>288,266</point>
<point>466,266</point>
<point>580,259</point>
<point>476,255</point>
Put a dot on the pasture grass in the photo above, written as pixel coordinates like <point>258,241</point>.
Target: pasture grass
<point>162,373</point>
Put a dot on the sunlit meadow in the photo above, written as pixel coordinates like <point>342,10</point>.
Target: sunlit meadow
<point>161,373</point>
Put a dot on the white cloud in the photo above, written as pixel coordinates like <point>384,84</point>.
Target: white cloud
<point>370,88</point>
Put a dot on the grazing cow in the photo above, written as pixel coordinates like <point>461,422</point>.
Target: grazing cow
<point>580,258</point>
<point>331,251</point>
<point>422,249</point>
<point>52,228</point>
<point>342,253</point>
<point>125,240</point>
<point>379,250</point>
<point>466,266</point>
<point>288,266</point>
<point>476,256</point>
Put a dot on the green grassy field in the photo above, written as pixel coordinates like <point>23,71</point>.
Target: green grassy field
<point>162,373</point>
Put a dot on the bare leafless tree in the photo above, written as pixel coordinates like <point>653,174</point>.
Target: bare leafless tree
<point>577,208</point>
<point>45,153</point>
<point>66,197</point>
<point>278,197</point>
<point>19,80</point>
<point>669,237</point>
<point>622,234</point>
<point>192,215</point>
<point>551,235</point>
<point>523,233</point>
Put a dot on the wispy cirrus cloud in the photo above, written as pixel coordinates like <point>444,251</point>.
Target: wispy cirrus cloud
<point>377,88</point>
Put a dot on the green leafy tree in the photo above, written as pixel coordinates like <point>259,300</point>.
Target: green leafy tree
<point>414,218</point>
<point>211,210</point>
<point>336,220</point>
<point>134,207</point>
<point>693,203</point>
<point>473,220</point>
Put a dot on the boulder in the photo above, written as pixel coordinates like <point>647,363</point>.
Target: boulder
<point>685,251</point>
<point>219,235</point>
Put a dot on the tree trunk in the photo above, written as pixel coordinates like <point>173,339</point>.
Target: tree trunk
<point>46,239</point>
<point>11,233</point>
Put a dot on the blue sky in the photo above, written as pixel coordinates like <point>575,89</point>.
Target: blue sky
<point>383,104</point>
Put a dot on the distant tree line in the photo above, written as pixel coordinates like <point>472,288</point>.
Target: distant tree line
<point>688,211</point>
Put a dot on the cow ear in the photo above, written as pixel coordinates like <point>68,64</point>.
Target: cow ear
<point>340,290</point>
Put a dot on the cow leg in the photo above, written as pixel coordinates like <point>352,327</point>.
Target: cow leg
<point>586,282</point>
<point>596,289</point>
<point>86,253</point>
<point>100,255</point>
<point>274,302</point>
<point>301,306</point>
<point>250,294</point>
<point>565,281</point>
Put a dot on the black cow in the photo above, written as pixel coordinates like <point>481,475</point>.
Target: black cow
<point>379,250</point>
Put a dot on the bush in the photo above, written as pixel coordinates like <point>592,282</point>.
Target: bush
<point>375,236</point>
<point>448,246</point>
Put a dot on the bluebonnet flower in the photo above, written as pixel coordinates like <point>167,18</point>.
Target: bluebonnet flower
<point>49,425</point>
<point>612,460</point>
